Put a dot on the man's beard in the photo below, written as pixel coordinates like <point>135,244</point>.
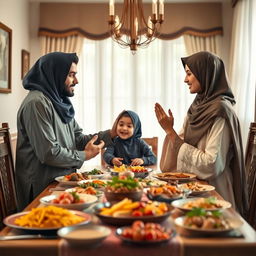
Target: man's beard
<point>68,92</point>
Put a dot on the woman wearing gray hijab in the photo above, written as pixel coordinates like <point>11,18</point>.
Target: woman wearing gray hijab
<point>209,144</point>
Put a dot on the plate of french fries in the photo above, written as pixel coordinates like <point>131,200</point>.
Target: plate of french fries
<point>46,219</point>
<point>127,211</point>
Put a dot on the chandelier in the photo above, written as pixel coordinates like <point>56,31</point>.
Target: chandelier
<point>132,29</point>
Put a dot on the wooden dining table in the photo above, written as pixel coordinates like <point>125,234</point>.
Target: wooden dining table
<point>240,243</point>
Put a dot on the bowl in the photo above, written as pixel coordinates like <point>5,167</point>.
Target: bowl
<point>86,235</point>
<point>127,220</point>
<point>118,196</point>
<point>89,200</point>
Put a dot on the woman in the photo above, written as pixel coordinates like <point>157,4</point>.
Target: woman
<point>210,143</point>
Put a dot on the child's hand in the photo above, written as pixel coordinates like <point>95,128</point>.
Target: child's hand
<point>137,161</point>
<point>117,161</point>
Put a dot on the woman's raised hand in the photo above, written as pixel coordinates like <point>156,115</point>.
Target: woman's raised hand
<point>164,120</point>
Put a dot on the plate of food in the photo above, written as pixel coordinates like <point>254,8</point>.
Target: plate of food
<point>88,190</point>
<point>141,233</point>
<point>95,174</point>
<point>127,211</point>
<point>207,203</point>
<point>70,200</point>
<point>146,183</point>
<point>138,171</point>
<point>201,222</point>
<point>72,179</point>
<point>197,188</point>
<point>166,193</point>
<point>175,176</point>
<point>97,184</point>
<point>53,219</point>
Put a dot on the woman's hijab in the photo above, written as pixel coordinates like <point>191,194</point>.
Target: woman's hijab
<point>216,100</point>
<point>48,75</point>
<point>213,99</point>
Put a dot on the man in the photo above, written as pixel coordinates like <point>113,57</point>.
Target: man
<point>50,143</point>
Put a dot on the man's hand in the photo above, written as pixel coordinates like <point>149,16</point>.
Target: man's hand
<point>164,120</point>
<point>91,150</point>
<point>137,161</point>
<point>117,161</point>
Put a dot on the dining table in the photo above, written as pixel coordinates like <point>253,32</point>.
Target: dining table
<point>241,242</point>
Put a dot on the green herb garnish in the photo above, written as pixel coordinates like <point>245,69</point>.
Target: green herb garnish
<point>128,182</point>
<point>196,212</point>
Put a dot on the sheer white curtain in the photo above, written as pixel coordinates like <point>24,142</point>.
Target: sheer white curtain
<point>243,62</point>
<point>111,79</point>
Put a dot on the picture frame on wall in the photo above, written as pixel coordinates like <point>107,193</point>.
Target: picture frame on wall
<point>5,58</point>
<point>25,62</point>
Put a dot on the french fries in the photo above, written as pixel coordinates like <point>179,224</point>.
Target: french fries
<point>48,217</point>
<point>125,206</point>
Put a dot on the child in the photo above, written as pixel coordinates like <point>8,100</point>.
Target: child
<point>129,148</point>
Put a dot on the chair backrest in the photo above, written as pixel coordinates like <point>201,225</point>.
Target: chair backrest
<point>152,142</point>
<point>250,165</point>
<point>8,198</point>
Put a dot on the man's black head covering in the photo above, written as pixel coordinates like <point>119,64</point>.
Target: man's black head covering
<point>48,75</point>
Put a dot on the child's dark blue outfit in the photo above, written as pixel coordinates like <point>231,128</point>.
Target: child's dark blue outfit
<point>131,148</point>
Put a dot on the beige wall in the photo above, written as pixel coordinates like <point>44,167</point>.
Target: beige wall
<point>23,19</point>
<point>14,14</point>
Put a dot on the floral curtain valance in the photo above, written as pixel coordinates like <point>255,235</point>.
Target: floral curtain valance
<point>91,20</point>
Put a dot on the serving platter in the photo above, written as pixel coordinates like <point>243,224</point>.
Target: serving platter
<point>97,184</point>
<point>175,176</point>
<point>164,198</point>
<point>63,182</point>
<point>119,232</point>
<point>139,174</point>
<point>197,188</point>
<point>234,223</point>
<point>152,183</point>
<point>81,191</point>
<point>88,201</point>
<point>190,203</point>
<point>127,220</point>
<point>10,222</point>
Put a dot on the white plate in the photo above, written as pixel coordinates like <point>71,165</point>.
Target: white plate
<point>180,204</point>
<point>81,182</point>
<point>10,222</point>
<point>98,193</point>
<point>89,200</point>
<point>152,183</point>
<point>96,176</point>
<point>85,235</point>
<point>186,230</point>
<point>204,188</point>
<point>63,182</point>
<point>173,176</point>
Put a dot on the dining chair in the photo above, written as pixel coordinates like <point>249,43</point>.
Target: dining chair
<point>250,166</point>
<point>8,197</point>
<point>152,142</point>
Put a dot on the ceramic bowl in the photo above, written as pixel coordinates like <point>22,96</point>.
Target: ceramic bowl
<point>118,196</point>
